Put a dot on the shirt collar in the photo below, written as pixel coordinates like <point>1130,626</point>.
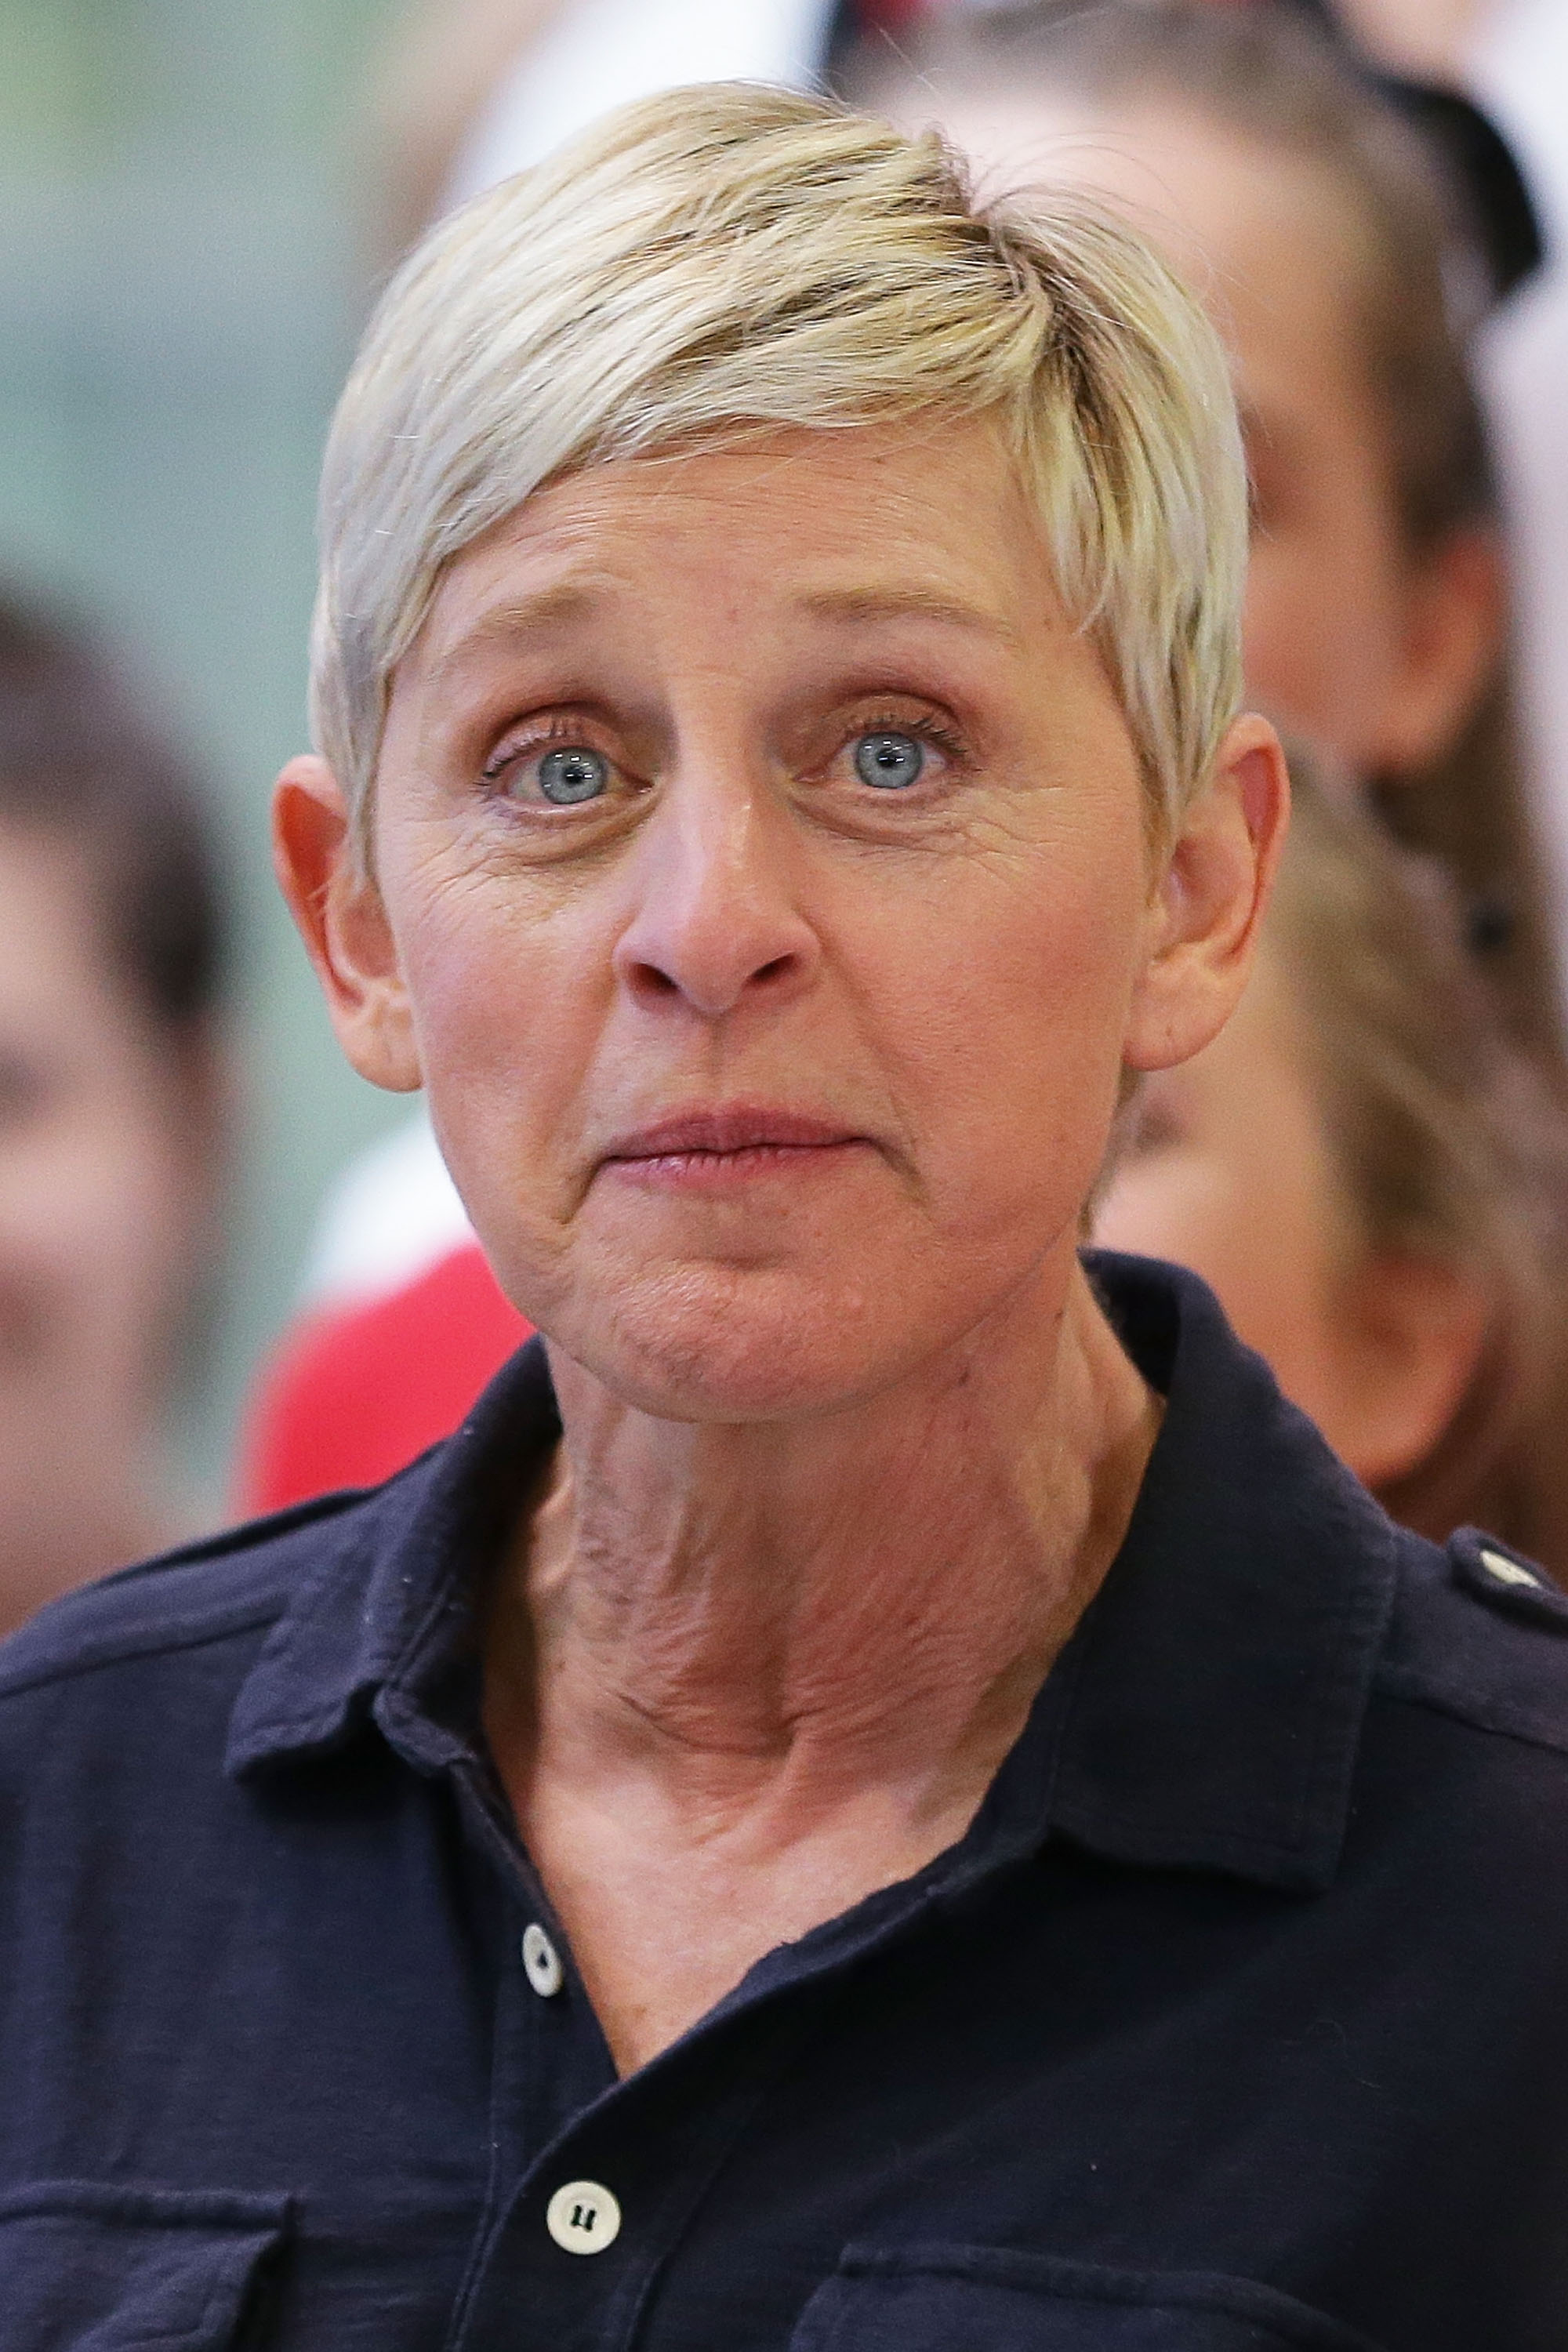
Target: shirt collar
<point>1217,1687</point>
<point>1205,1715</point>
<point>383,1629</point>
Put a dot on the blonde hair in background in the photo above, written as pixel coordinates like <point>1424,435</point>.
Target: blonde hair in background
<point>1450,1146</point>
<point>732,259</point>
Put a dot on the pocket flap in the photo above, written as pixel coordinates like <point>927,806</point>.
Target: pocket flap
<point>88,2268</point>
<point>990,2299</point>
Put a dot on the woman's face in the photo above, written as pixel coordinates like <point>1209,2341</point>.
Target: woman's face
<point>1343,642</point>
<point>762,894</point>
<point>95,1192</point>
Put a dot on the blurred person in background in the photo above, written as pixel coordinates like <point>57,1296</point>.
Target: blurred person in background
<point>114,1127</point>
<point>1345,276</point>
<point>1511,57</point>
<point>1373,1178</point>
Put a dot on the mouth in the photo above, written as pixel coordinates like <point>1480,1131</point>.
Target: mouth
<point>713,1150</point>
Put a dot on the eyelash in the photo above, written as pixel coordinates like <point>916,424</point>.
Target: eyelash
<point>553,732</point>
<point>926,726</point>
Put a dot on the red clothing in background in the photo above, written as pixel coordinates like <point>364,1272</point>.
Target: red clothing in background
<point>355,1391</point>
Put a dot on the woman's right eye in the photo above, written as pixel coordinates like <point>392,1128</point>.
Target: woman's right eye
<point>563,777</point>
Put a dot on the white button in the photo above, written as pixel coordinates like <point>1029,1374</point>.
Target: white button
<point>1506,1571</point>
<point>542,1962</point>
<point>583,2218</point>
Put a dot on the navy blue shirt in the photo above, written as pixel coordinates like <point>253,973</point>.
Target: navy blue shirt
<point>1238,2019</point>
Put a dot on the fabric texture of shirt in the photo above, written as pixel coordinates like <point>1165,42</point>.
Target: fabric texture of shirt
<point>1238,2020</point>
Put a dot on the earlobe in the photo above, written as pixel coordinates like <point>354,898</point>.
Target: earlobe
<point>1210,900</point>
<point>338,913</point>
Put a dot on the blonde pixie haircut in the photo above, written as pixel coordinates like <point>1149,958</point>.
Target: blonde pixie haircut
<point>730,260</point>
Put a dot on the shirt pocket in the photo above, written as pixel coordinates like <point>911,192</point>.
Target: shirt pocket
<point>987,2299</point>
<point>87,2268</point>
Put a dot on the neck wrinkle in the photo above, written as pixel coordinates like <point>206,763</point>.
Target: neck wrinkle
<point>789,1617</point>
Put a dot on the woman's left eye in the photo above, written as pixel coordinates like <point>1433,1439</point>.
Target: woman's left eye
<point>890,759</point>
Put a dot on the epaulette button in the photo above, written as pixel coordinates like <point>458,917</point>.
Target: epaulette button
<point>1507,1571</point>
<point>1515,1586</point>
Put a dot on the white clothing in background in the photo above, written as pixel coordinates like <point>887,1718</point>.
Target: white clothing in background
<point>599,54</point>
<point>1519,74</point>
<point>389,1217</point>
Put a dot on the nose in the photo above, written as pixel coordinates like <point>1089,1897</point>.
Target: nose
<point>718,921</point>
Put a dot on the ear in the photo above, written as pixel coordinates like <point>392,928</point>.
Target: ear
<point>338,909</point>
<point>1204,913</point>
<point>1455,616</point>
<point>1414,1330</point>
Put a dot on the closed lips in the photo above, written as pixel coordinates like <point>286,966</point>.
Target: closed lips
<point>728,1133</point>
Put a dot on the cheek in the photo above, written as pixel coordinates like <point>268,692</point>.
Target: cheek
<point>997,998</point>
<point>1321,630</point>
<point>509,992</point>
<point>92,1242</point>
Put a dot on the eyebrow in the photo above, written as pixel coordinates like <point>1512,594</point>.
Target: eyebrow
<point>573,600</point>
<point>851,605</point>
<point>499,624</point>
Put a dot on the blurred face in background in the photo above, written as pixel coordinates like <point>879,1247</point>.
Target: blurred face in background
<point>1352,639</point>
<point>1431,39</point>
<point>1376,1348</point>
<point>97,1222</point>
<point>1235,1126</point>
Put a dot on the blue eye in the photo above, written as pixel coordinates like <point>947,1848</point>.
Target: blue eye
<point>571,775</point>
<point>890,760</point>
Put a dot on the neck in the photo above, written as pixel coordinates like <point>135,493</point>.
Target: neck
<point>781,1617</point>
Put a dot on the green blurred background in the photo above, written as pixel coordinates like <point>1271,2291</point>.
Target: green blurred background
<point>181,281</point>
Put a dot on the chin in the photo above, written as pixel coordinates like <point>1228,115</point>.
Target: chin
<point>704,1343</point>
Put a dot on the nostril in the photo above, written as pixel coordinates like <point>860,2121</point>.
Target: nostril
<point>710,968</point>
<point>655,983</point>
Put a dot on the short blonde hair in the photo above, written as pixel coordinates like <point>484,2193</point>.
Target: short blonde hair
<point>728,259</point>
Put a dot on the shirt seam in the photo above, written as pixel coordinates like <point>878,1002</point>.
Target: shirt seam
<point>1403,1687</point>
<point>132,1651</point>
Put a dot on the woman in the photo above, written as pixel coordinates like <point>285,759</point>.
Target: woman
<point>112,1112</point>
<point>1375,615</point>
<point>1344,278</point>
<point>1375,1182</point>
<point>827,1815</point>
